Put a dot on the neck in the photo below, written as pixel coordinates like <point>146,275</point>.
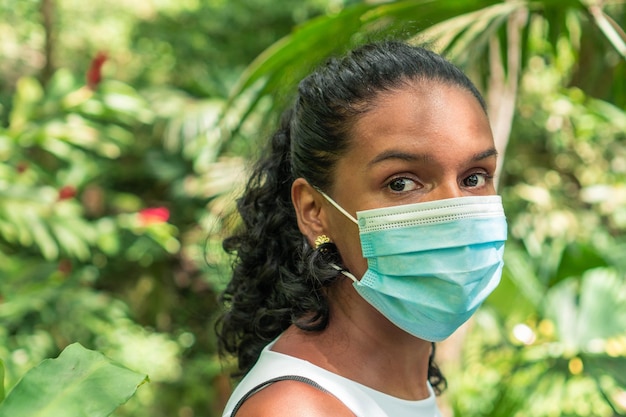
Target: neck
<point>362,345</point>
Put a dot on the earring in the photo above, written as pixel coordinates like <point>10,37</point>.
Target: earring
<point>320,240</point>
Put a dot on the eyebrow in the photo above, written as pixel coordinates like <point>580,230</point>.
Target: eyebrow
<point>395,154</point>
<point>424,158</point>
<point>484,155</point>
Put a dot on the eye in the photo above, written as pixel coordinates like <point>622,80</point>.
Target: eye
<point>476,180</point>
<point>399,185</point>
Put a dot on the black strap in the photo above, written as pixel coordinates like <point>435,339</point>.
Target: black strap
<point>271,381</point>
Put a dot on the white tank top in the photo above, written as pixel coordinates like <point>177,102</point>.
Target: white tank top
<point>361,400</point>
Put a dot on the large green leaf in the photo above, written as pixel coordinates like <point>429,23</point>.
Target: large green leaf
<point>79,383</point>
<point>576,259</point>
<point>520,271</point>
<point>601,367</point>
<point>590,310</point>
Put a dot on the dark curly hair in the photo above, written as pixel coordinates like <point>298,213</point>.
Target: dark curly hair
<point>278,279</point>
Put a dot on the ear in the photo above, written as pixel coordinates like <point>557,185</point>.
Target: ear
<point>309,209</point>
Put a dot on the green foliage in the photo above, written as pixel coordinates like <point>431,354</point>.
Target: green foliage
<point>564,345</point>
<point>464,31</point>
<point>311,43</point>
<point>2,394</point>
<point>551,340</point>
<point>79,382</point>
<point>206,60</point>
<point>85,233</point>
<point>55,145</point>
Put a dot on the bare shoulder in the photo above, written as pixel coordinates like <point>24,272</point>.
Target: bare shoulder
<point>293,398</point>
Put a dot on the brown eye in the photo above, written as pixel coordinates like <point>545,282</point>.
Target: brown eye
<point>474,180</point>
<point>402,184</point>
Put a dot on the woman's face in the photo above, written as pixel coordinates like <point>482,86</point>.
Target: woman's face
<point>426,141</point>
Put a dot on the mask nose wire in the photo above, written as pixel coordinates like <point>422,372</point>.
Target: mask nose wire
<point>349,216</point>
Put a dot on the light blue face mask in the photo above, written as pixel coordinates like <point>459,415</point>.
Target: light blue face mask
<point>430,265</point>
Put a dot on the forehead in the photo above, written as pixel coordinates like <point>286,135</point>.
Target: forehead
<point>425,116</point>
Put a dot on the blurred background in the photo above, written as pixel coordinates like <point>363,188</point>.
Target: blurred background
<point>126,128</point>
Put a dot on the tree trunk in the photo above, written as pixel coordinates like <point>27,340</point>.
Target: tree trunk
<point>502,90</point>
<point>47,17</point>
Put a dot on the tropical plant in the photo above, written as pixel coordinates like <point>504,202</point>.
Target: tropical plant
<point>79,382</point>
<point>489,39</point>
<point>551,340</point>
<point>71,219</point>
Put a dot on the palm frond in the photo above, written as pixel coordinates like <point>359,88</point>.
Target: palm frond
<point>277,70</point>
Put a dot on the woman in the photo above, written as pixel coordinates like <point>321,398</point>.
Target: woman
<point>371,230</point>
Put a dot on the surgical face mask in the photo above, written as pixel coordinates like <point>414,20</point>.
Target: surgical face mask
<point>430,265</point>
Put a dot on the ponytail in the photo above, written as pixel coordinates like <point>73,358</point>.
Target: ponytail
<point>275,280</point>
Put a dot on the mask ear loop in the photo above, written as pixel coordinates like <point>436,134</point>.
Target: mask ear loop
<point>349,216</point>
<point>337,206</point>
<point>343,271</point>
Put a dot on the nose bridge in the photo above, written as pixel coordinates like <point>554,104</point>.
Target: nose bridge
<point>448,187</point>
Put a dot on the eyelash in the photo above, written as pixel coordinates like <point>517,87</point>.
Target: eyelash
<point>486,177</point>
<point>392,180</point>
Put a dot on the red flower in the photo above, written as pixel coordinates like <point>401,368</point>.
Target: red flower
<point>94,73</point>
<point>21,167</point>
<point>65,267</point>
<point>153,215</point>
<point>66,192</point>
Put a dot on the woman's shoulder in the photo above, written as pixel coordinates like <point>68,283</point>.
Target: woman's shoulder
<point>292,397</point>
<point>284,385</point>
